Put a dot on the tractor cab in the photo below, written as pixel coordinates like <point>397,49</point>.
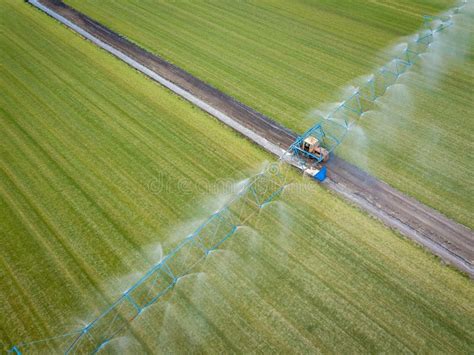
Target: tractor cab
<point>312,145</point>
<point>310,151</point>
<point>309,143</point>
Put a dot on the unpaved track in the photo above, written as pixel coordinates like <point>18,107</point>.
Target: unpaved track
<point>453,242</point>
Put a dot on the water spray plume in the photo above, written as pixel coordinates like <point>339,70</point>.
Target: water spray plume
<point>362,80</point>
<point>397,49</point>
<point>349,91</point>
<point>154,252</point>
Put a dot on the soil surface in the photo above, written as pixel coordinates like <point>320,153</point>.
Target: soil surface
<point>452,242</point>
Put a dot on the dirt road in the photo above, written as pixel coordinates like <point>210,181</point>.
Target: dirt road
<point>451,241</point>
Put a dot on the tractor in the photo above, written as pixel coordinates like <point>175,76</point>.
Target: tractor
<point>311,151</point>
<point>312,145</point>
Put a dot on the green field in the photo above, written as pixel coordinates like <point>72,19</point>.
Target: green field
<point>287,59</point>
<point>326,279</point>
<point>99,167</point>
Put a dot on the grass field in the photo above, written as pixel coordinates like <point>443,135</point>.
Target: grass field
<point>288,58</point>
<point>310,285</point>
<point>97,166</point>
<point>100,166</point>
